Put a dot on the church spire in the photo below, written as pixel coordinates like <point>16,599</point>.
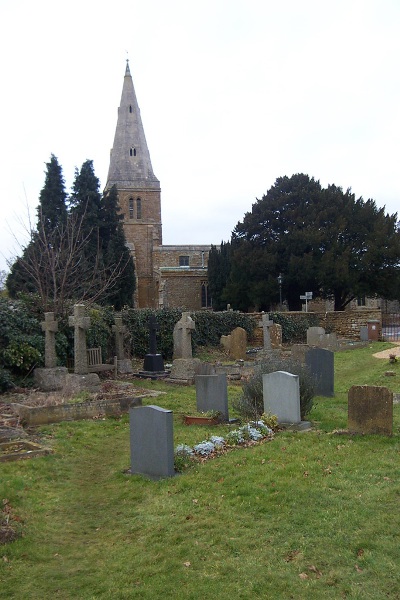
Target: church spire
<point>130,164</point>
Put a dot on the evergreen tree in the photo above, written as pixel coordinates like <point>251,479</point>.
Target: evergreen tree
<point>52,209</point>
<point>219,267</point>
<point>85,205</point>
<point>116,256</point>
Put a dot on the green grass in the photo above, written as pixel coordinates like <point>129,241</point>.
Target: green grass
<point>306,515</point>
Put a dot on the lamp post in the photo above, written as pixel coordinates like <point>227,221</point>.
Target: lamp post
<point>280,290</point>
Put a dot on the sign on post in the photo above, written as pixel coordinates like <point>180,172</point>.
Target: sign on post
<point>307,296</point>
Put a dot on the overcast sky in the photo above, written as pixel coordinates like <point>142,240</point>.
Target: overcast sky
<point>233,94</point>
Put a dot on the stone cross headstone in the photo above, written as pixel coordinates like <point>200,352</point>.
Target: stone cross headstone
<point>266,324</point>
<point>370,410</point>
<point>238,343</point>
<point>50,327</point>
<point>151,441</point>
<point>281,392</point>
<point>183,336</point>
<point>321,366</point>
<point>119,329</point>
<point>81,324</point>
<point>212,394</point>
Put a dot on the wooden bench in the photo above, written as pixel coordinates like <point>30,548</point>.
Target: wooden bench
<point>95,362</point>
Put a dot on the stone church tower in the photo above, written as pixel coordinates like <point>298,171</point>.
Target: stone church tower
<point>173,276</point>
<point>139,192</point>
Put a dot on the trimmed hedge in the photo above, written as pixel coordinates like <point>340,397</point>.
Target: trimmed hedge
<point>294,326</point>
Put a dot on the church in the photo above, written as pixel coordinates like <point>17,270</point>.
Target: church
<point>166,276</point>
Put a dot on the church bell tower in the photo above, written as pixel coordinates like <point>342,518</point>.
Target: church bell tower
<point>139,193</point>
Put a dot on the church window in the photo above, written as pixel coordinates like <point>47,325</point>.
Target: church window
<point>183,261</point>
<point>138,208</point>
<point>131,213</point>
<point>132,152</point>
<point>130,108</point>
<point>206,300</point>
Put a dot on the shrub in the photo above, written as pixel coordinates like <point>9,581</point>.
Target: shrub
<point>294,327</point>
<point>251,403</point>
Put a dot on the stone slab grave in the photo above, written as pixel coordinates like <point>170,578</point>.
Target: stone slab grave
<point>212,394</point>
<point>370,410</point>
<point>281,393</point>
<point>18,450</point>
<point>151,442</point>
<point>320,363</point>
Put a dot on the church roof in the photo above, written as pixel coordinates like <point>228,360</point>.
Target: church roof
<point>130,164</point>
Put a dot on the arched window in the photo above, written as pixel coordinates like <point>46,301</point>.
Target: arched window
<point>130,108</point>
<point>131,213</point>
<point>132,152</point>
<point>138,208</point>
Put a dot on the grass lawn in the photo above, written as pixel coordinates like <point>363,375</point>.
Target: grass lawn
<point>306,515</point>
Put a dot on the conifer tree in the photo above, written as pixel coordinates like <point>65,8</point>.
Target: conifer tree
<point>52,209</point>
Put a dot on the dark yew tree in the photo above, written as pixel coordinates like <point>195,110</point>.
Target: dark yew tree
<point>52,210</point>
<point>320,240</point>
<point>116,256</point>
<point>219,268</point>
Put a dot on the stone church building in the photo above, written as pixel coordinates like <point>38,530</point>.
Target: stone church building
<point>166,276</point>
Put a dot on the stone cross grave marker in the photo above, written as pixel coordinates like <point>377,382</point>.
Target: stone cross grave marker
<point>281,392</point>
<point>370,409</point>
<point>80,323</point>
<point>153,328</point>
<point>153,362</point>
<point>266,324</point>
<point>119,329</point>
<point>50,327</point>
<point>183,336</point>
<point>151,441</point>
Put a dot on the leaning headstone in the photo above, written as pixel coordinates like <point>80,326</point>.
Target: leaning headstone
<point>153,362</point>
<point>81,324</point>
<point>370,410</point>
<point>51,378</point>
<point>314,335</point>
<point>281,392</point>
<point>238,343</point>
<point>321,366</point>
<point>266,324</point>
<point>182,336</point>
<point>124,365</point>
<point>151,442</point>
<point>212,394</point>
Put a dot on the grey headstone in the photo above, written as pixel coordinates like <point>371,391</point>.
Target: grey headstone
<point>50,327</point>
<point>212,393</point>
<point>152,441</point>
<point>364,333</point>
<point>314,335</point>
<point>266,324</point>
<point>321,365</point>
<point>119,329</point>
<point>281,392</point>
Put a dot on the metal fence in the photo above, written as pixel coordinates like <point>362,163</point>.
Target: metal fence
<point>390,326</point>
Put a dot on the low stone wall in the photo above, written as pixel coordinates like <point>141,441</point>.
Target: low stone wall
<point>346,324</point>
<point>31,416</point>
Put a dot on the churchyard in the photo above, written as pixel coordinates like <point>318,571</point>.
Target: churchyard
<point>299,515</point>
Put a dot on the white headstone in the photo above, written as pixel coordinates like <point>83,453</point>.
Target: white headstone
<point>281,392</point>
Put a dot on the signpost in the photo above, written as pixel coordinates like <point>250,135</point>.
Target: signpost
<point>307,296</point>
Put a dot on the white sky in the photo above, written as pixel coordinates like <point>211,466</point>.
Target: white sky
<point>233,94</point>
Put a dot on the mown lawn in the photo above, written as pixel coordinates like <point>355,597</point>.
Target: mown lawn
<point>306,515</point>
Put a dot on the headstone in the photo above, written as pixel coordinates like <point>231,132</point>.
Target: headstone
<point>321,365</point>
<point>151,442</point>
<point>238,343</point>
<point>50,327</point>
<point>370,410</point>
<point>281,392</point>
<point>364,333</point>
<point>212,394</point>
<point>314,335</point>
<point>225,342</point>
<point>184,370</point>
<point>124,365</point>
<point>80,323</point>
<point>298,352</point>
<point>183,336</point>
<point>51,378</point>
<point>153,362</point>
<point>266,324</point>
<point>275,332</point>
